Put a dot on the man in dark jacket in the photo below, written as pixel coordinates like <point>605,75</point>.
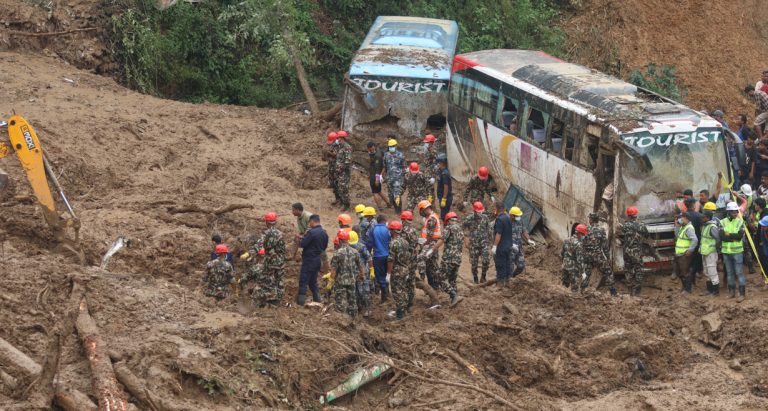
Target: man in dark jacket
<point>313,256</point>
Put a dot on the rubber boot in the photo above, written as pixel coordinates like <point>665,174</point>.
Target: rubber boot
<point>482,278</point>
<point>689,286</point>
<point>715,290</point>
<point>316,297</point>
<point>399,315</point>
<point>731,291</point>
<point>301,299</point>
<point>613,292</point>
<point>474,277</point>
<point>637,291</point>
<point>384,294</point>
<point>709,289</point>
<point>454,298</point>
<point>742,291</point>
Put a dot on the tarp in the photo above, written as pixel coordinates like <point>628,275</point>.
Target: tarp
<point>531,214</point>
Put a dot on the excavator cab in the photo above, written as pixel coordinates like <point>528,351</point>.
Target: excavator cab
<point>24,142</point>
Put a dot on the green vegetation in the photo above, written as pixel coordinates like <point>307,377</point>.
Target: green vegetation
<point>240,52</point>
<point>660,80</point>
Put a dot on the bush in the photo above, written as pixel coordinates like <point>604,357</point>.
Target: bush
<point>661,81</point>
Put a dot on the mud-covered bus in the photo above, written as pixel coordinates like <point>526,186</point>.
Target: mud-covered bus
<point>569,141</point>
<point>400,75</point>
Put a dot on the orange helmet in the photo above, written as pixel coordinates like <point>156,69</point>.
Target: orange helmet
<point>344,219</point>
<point>632,211</point>
<point>332,137</point>
<point>478,207</point>
<point>482,172</point>
<point>406,215</point>
<point>581,228</point>
<point>261,251</point>
<point>414,167</point>
<point>221,249</point>
<point>450,216</point>
<point>343,235</point>
<point>341,134</point>
<point>270,216</point>
<point>423,204</point>
<point>395,225</point>
<point>429,138</point>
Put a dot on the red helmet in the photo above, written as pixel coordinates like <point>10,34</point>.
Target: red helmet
<point>414,168</point>
<point>478,207</point>
<point>221,249</point>
<point>632,211</point>
<point>406,215</point>
<point>482,172</point>
<point>336,241</point>
<point>341,134</point>
<point>581,228</point>
<point>270,216</point>
<point>450,216</point>
<point>261,251</point>
<point>344,219</point>
<point>395,225</point>
<point>429,138</point>
<point>332,137</point>
<point>343,235</point>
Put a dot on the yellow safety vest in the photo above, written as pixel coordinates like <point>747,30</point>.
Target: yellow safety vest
<point>708,244</point>
<point>683,243</point>
<point>732,227</point>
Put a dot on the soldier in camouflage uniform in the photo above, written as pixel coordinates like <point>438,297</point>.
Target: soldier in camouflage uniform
<point>479,241</point>
<point>346,268</point>
<point>219,274</point>
<point>363,283</point>
<point>343,169</point>
<point>399,266</point>
<point>394,170</point>
<point>519,235</point>
<point>255,273</point>
<point>452,240</point>
<point>479,186</point>
<point>271,287</point>
<point>429,160</point>
<point>632,235</point>
<point>330,155</point>
<point>573,259</point>
<point>596,252</point>
<point>411,235</point>
<point>419,186</point>
<point>428,259</point>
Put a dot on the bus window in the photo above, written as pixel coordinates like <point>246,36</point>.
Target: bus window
<point>569,146</point>
<point>588,157</point>
<point>486,99</point>
<point>556,136</point>
<point>536,126</point>
<point>509,114</point>
<point>461,91</point>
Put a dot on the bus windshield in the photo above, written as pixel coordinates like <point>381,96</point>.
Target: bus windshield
<point>662,166</point>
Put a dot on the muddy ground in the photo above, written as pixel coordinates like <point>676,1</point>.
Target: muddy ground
<point>126,159</point>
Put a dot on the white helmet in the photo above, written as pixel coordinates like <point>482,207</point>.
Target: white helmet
<point>732,207</point>
<point>746,189</point>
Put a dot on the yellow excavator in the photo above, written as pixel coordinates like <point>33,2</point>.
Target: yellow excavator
<point>25,143</point>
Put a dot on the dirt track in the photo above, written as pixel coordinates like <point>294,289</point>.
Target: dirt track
<point>126,158</point>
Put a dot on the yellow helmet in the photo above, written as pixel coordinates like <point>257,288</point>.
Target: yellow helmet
<point>710,206</point>
<point>369,212</point>
<point>353,238</point>
<point>516,211</point>
<point>359,208</point>
<point>392,142</point>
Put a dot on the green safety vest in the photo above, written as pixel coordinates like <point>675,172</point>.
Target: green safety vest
<point>683,243</point>
<point>708,244</point>
<point>732,227</point>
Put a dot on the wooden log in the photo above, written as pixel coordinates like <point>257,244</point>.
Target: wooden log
<point>423,286</point>
<point>11,356</point>
<point>109,395</point>
<point>138,389</point>
<point>488,283</point>
<point>49,34</point>
<point>471,369</point>
<point>73,400</point>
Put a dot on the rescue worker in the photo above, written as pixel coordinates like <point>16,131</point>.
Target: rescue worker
<point>732,243</point>
<point>313,257</point>
<point>255,274</point>
<point>302,224</point>
<point>369,213</point>
<point>429,164</point>
<point>362,282</point>
<point>708,247</point>
<point>502,244</point>
<point>343,168</point>
<point>418,185</point>
<point>330,155</point>
<point>359,211</point>
<point>345,222</point>
<point>345,269</point>
<point>218,274</point>
<point>444,186</point>
<point>272,286</point>
<point>216,240</point>
<point>399,267</point>
<point>596,252</point>
<point>519,235</point>
<point>479,186</point>
<point>431,232</point>
<point>452,239</point>
<point>394,168</point>
<point>478,241</point>
<point>632,235</point>
<point>411,235</point>
<point>378,241</point>
<point>685,246</point>
<point>375,168</point>
<point>573,259</point>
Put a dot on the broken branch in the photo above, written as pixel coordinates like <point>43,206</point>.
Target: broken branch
<point>138,389</point>
<point>197,209</point>
<point>49,34</point>
<point>209,134</point>
<point>423,286</point>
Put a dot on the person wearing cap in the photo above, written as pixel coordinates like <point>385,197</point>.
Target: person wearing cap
<point>596,252</point>
<point>444,185</point>
<point>375,168</point>
<point>367,223</point>
<point>272,287</point>
<point>478,187</point>
<point>428,156</point>
<point>393,173</point>
<point>362,283</point>
<point>302,224</point>
<point>216,240</point>
<point>313,257</point>
<point>480,231</point>
<point>732,240</point>
<point>343,169</point>
<point>346,268</point>
<point>708,248</point>
<point>400,269</point>
<point>680,203</point>
<point>761,108</point>
<point>452,240</point>
<point>378,241</point>
<point>633,234</point>
<point>219,274</point>
<point>502,244</point>
<point>359,211</point>
<point>685,247</point>
<point>418,185</point>
<point>330,156</point>
<point>720,117</point>
<point>573,259</point>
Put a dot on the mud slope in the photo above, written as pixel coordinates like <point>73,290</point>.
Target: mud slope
<point>128,159</point>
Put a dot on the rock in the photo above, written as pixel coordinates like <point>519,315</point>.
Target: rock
<point>735,364</point>
<point>616,343</point>
<point>398,402</point>
<point>712,322</point>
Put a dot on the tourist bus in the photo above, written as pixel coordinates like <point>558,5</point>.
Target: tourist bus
<point>399,77</point>
<point>562,137</point>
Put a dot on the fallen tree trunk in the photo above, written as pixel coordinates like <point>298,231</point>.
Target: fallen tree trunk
<point>10,355</point>
<point>461,361</point>
<point>73,400</point>
<point>105,388</point>
<point>138,389</point>
<point>423,286</point>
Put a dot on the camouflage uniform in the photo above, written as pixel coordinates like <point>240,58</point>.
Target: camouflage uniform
<point>331,156</point>
<point>401,256</point>
<point>477,189</point>
<point>418,186</point>
<point>271,286</point>
<point>429,265</point>
<point>218,275</point>
<point>363,283</point>
<point>343,170</point>
<point>573,262</point>
<point>410,235</point>
<point>346,263</point>
<point>517,258</point>
<point>429,160</point>
<point>394,164</point>
<point>480,233</point>
<point>595,245</point>
<point>632,236</point>
<point>453,238</point>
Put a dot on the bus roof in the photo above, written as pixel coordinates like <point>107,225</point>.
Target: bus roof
<point>409,47</point>
<point>618,100</point>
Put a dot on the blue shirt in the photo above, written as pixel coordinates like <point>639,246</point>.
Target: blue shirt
<point>503,226</point>
<point>444,178</point>
<point>379,240</point>
<point>314,243</point>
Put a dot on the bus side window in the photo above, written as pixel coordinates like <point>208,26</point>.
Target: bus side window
<point>570,144</point>
<point>588,156</point>
<point>556,136</point>
<point>486,99</point>
<point>536,126</point>
<point>510,114</point>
